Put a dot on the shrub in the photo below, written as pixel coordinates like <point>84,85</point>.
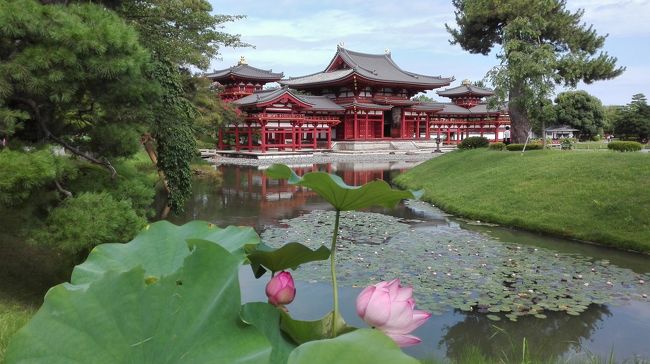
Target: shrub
<point>473,143</point>
<point>497,146</point>
<point>624,146</point>
<point>87,220</point>
<point>519,147</point>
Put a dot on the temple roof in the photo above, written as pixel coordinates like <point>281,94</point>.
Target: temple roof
<point>373,67</point>
<point>243,70</point>
<point>480,109</point>
<point>365,105</point>
<point>466,89</point>
<point>429,106</point>
<point>315,103</point>
<point>562,128</point>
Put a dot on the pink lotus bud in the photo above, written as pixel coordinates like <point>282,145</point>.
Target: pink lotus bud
<point>281,290</point>
<point>389,307</point>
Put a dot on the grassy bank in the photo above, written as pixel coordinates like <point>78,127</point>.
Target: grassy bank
<point>13,315</point>
<point>598,197</point>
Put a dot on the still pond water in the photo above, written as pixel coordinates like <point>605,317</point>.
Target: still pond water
<point>444,258</point>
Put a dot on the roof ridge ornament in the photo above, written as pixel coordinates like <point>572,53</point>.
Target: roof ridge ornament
<point>387,51</point>
<point>242,60</point>
<point>466,82</point>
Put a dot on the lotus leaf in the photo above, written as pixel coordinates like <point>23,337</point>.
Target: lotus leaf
<point>189,315</point>
<point>343,197</point>
<point>160,249</point>
<point>290,255</point>
<point>359,346</point>
<point>267,319</point>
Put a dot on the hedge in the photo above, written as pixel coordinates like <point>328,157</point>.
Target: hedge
<point>520,147</point>
<point>624,146</point>
<point>473,143</point>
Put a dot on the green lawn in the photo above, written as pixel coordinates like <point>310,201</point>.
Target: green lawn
<point>598,197</point>
<point>13,315</point>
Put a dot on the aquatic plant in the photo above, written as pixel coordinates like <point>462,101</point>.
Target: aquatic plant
<point>172,295</point>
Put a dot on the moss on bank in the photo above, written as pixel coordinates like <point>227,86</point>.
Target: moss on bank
<point>598,197</point>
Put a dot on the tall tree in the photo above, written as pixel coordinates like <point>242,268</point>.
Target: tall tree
<point>580,110</point>
<point>179,34</point>
<point>633,121</point>
<point>542,45</point>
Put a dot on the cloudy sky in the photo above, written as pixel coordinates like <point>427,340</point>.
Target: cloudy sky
<point>299,37</point>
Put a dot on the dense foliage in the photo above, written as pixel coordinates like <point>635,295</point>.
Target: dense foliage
<point>633,120</point>
<point>581,111</point>
<point>624,146</point>
<point>542,44</point>
<point>497,146</point>
<point>474,142</point>
<point>82,86</point>
<point>520,147</point>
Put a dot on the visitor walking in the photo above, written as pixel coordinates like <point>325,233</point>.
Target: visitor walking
<point>506,136</point>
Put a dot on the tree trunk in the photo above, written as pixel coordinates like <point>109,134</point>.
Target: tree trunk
<point>520,125</point>
<point>147,142</point>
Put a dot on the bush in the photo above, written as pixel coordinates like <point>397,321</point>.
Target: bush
<point>624,146</point>
<point>87,220</point>
<point>520,147</point>
<point>473,143</point>
<point>497,146</point>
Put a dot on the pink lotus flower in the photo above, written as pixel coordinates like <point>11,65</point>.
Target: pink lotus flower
<point>281,290</point>
<point>389,307</point>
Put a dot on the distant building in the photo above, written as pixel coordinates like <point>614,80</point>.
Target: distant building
<point>358,98</point>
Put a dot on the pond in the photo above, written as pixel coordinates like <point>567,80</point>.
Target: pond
<point>489,287</point>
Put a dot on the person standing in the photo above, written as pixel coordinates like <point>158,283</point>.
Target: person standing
<point>506,136</point>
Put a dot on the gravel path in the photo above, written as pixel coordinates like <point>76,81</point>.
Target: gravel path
<point>326,158</point>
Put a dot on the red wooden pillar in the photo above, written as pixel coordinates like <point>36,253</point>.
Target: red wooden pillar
<point>237,138</point>
<point>313,135</point>
<point>220,138</point>
<point>367,125</point>
<point>299,134</point>
<point>496,132</point>
<point>263,136</point>
<point>428,132</point>
<point>250,137</point>
<point>328,133</point>
<point>355,129</point>
<point>449,134</point>
<point>402,131</point>
<point>481,129</point>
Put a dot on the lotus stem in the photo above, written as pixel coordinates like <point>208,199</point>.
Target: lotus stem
<point>333,271</point>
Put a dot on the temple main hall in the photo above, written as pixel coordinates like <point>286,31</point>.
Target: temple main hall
<point>359,101</point>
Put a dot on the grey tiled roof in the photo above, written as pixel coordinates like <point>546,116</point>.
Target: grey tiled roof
<point>375,67</point>
<point>245,71</point>
<point>428,106</point>
<point>562,128</point>
<point>480,109</point>
<point>465,89</point>
<point>365,105</point>
<point>317,103</point>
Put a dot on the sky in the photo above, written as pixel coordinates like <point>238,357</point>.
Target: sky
<point>299,37</point>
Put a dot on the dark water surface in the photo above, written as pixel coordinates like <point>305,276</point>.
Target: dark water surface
<point>246,197</point>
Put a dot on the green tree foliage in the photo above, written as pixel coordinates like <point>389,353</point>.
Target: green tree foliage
<point>580,110</point>
<point>633,120</point>
<point>179,34</point>
<point>422,98</point>
<point>542,44</point>
<point>612,113</point>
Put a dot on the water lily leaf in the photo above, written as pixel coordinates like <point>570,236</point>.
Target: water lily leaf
<point>190,315</point>
<point>160,249</point>
<point>290,255</point>
<point>304,331</point>
<point>343,197</point>
<point>494,317</point>
<point>267,319</point>
<point>359,346</point>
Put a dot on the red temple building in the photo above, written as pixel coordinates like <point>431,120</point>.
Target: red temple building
<point>359,99</point>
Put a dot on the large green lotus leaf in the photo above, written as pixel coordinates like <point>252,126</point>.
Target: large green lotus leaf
<point>304,331</point>
<point>290,255</point>
<point>343,197</point>
<point>188,316</point>
<point>267,319</point>
<point>160,249</point>
<point>359,346</point>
